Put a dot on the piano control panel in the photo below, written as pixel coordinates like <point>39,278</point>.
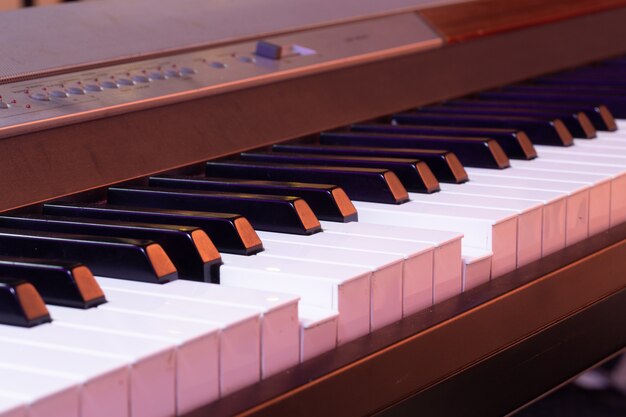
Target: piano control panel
<point>97,92</point>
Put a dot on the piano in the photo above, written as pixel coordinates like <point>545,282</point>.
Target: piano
<point>96,97</point>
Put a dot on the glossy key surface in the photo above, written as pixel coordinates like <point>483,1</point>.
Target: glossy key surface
<point>366,184</point>
<point>545,132</point>
<point>444,164</point>
<point>600,116</point>
<point>141,260</point>
<point>64,283</point>
<point>615,104</point>
<point>190,249</point>
<point>515,143</point>
<point>415,175</point>
<point>329,202</point>
<point>265,212</point>
<point>480,152</point>
<point>231,233</point>
<point>577,123</point>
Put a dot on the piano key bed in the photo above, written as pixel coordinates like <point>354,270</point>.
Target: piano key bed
<point>427,250</point>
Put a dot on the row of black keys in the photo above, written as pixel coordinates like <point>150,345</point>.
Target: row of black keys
<point>372,162</point>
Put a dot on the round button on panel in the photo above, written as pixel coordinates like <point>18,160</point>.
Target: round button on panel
<point>40,97</point>
<point>140,79</point>
<point>109,84</point>
<point>218,65</point>
<point>4,105</point>
<point>156,75</point>
<point>75,90</point>
<point>186,71</point>
<point>93,87</point>
<point>125,81</point>
<point>171,73</point>
<point>247,59</point>
<point>58,93</point>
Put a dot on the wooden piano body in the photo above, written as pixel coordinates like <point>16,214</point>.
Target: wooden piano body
<point>486,352</point>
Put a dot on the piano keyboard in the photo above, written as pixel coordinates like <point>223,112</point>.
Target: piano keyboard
<point>186,286</point>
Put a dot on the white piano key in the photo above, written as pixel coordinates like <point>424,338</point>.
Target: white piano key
<point>197,361</point>
<point>417,275</point>
<point>151,362</point>
<point>599,193</point>
<point>12,407</point>
<point>446,265</point>
<point>476,267</point>
<point>577,207</point>
<point>239,343</point>
<point>385,283</point>
<point>318,331</point>
<point>279,313</point>
<point>491,229</point>
<point>45,395</point>
<point>345,289</point>
<point>529,220</point>
<point>103,381</point>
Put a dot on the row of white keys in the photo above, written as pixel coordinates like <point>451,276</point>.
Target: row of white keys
<point>529,218</point>
<point>603,155</point>
<point>554,208</point>
<point>342,288</point>
<point>386,274</point>
<point>285,341</point>
<point>617,178</point>
<point>577,199</point>
<point>148,377</point>
<point>598,186</point>
<point>491,229</point>
<point>103,380</point>
<point>40,394</point>
<point>279,327</point>
<point>418,280</point>
<point>239,341</point>
<point>401,241</point>
<point>197,346</point>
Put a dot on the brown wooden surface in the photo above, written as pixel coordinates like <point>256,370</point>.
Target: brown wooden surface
<point>53,163</point>
<point>458,22</point>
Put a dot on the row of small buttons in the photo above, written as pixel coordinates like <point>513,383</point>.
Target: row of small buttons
<point>118,82</point>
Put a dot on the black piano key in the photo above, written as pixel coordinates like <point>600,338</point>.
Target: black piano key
<point>540,132</point>
<point>596,80</point>
<point>414,174</point>
<point>328,202</point>
<point>476,152</point>
<point>366,184</point>
<point>20,304</point>
<point>615,104</point>
<point>132,259</point>
<point>444,164</point>
<point>231,233</point>
<point>576,122</point>
<point>515,143</point>
<point>190,249</point>
<point>600,116</point>
<point>64,283</point>
<point>568,89</point>
<point>265,212</point>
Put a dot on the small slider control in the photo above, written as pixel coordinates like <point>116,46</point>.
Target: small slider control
<point>269,50</point>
